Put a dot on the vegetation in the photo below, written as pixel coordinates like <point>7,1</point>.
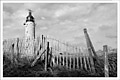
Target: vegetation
<point>10,70</point>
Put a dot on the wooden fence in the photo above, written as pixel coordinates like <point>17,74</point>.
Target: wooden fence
<point>55,53</point>
<point>63,53</point>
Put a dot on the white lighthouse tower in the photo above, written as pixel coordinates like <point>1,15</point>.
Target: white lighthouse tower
<point>29,36</point>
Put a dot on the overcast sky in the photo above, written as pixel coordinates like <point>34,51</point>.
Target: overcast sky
<point>65,21</point>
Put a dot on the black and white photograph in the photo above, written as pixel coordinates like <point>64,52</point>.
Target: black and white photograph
<point>60,39</point>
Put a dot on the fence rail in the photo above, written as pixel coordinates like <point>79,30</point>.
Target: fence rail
<point>64,54</point>
<point>56,53</point>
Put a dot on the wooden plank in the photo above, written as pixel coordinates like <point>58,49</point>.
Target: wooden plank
<point>17,48</point>
<point>12,61</point>
<point>39,56</point>
<point>88,63</point>
<point>57,57</point>
<point>44,45</point>
<point>60,60</point>
<point>63,61</point>
<point>106,63</point>
<point>46,57</point>
<point>89,43</point>
<point>85,62</point>
<point>81,66</point>
<point>50,58</point>
<point>66,61</point>
<point>70,62</point>
<point>77,62</point>
<point>91,61</point>
<point>73,62</point>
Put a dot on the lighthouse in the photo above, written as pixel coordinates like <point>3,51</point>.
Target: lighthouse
<point>29,36</point>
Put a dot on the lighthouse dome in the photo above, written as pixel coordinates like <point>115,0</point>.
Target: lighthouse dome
<point>30,17</point>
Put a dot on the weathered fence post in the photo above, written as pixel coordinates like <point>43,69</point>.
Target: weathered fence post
<point>84,59</point>
<point>88,62</point>
<point>12,60</point>
<point>57,58</point>
<point>63,60</point>
<point>77,62</point>
<point>70,62</point>
<point>51,57</point>
<point>81,66</point>
<point>16,53</point>
<point>90,50</point>
<point>44,45</point>
<point>73,62</point>
<point>17,48</point>
<point>60,60</point>
<point>46,57</point>
<point>106,70</point>
<point>66,61</point>
<point>91,62</point>
<point>89,44</point>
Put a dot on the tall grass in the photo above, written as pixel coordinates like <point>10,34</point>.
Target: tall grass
<point>10,70</point>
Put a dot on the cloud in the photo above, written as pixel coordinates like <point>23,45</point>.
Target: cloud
<point>111,36</point>
<point>64,21</point>
<point>109,30</point>
<point>72,12</point>
<point>105,28</point>
<point>43,28</point>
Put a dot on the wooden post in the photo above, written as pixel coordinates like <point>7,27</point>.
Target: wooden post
<point>73,62</point>
<point>12,61</point>
<point>91,49</point>
<point>46,57</point>
<point>60,60</point>
<point>51,57</point>
<point>16,57</point>
<point>63,61</point>
<point>66,61</point>
<point>44,45</point>
<point>81,62</point>
<point>106,70</point>
<point>89,43</point>
<point>85,62</point>
<point>57,59</point>
<point>70,62</point>
<point>42,41</point>
<point>88,63</point>
<point>77,62</point>
<point>17,48</point>
<point>91,61</point>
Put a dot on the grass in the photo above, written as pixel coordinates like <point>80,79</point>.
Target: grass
<point>10,70</point>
